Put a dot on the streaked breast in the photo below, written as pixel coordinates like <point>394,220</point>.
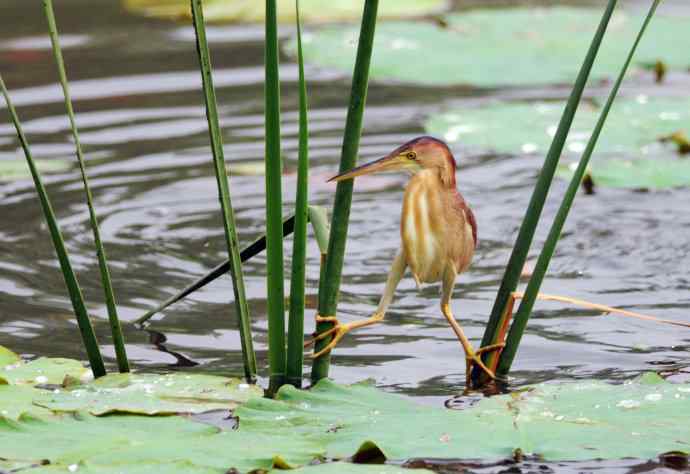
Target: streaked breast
<point>421,229</point>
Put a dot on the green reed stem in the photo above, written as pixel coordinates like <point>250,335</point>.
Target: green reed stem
<point>527,303</point>
<point>329,285</point>
<point>115,328</point>
<point>541,189</point>
<point>274,203</point>
<point>87,334</point>
<point>241,307</point>
<point>295,338</point>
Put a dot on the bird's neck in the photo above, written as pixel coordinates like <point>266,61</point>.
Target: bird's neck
<point>433,179</point>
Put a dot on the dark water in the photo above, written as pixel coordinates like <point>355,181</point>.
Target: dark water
<point>136,87</point>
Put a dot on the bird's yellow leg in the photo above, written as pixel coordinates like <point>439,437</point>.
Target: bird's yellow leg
<point>472,357</point>
<point>339,329</point>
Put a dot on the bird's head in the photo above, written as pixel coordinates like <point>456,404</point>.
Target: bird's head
<point>422,153</point>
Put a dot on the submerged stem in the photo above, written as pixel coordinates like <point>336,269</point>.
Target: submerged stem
<point>274,203</point>
<point>528,227</point>
<point>88,336</point>
<point>532,291</point>
<point>115,327</point>
<point>329,284</point>
<point>231,241</point>
<point>295,350</point>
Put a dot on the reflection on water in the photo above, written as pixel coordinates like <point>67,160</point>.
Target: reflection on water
<point>139,107</point>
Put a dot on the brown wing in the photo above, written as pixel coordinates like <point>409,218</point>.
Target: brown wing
<point>473,223</point>
<point>460,205</point>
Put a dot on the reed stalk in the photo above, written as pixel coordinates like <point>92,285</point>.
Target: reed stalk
<point>525,236</point>
<point>88,336</point>
<point>329,283</point>
<point>235,263</point>
<point>114,320</point>
<point>295,338</point>
<point>527,303</point>
<point>274,203</point>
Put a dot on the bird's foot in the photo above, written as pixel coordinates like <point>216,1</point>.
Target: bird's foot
<point>318,336</point>
<point>474,358</point>
<point>337,332</point>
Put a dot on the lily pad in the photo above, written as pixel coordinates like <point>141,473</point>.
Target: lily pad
<point>494,47</point>
<point>570,421</point>
<point>649,173</point>
<point>44,370</point>
<point>254,11</point>
<point>181,467</point>
<point>633,127</point>
<point>17,401</point>
<point>11,170</point>
<point>133,443</point>
<point>350,468</point>
<point>189,468</point>
<point>152,394</point>
<point>7,357</point>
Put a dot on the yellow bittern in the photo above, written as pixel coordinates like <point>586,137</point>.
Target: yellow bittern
<point>438,230</point>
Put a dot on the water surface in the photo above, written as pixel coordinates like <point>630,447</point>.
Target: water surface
<point>137,95</point>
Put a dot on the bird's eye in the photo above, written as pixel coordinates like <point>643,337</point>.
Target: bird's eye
<point>412,155</point>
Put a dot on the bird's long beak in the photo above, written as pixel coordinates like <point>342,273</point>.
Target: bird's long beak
<point>392,162</point>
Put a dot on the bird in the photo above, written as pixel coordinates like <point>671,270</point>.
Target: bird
<point>438,233</point>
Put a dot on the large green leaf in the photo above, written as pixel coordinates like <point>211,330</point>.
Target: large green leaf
<point>634,126</point>
<point>44,370</point>
<point>123,443</point>
<point>18,400</point>
<point>254,10</point>
<point>572,421</point>
<point>499,47</point>
<point>152,394</point>
<point>7,357</point>
<point>349,468</point>
<point>180,467</point>
<point>648,173</point>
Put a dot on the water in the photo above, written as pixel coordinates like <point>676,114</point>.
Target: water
<point>137,92</point>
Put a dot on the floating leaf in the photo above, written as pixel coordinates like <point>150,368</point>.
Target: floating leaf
<point>7,357</point>
<point>570,421</point>
<point>180,467</point>
<point>350,468</point>
<point>17,401</point>
<point>134,443</point>
<point>42,371</point>
<point>499,47</point>
<point>152,394</point>
<point>646,173</point>
<point>634,126</point>
<point>11,170</point>
<point>254,11</point>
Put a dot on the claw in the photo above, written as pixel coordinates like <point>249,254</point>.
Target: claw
<point>474,358</point>
<point>324,334</point>
<point>338,331</point>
